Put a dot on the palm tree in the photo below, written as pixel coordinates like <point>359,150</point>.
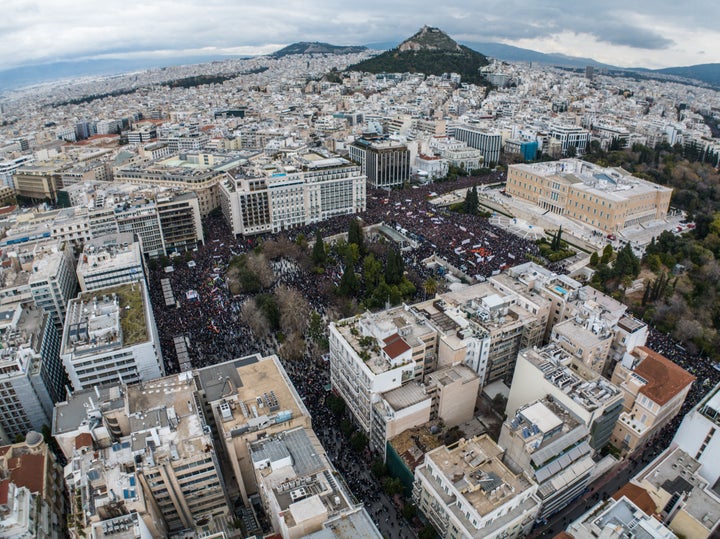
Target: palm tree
<point>430,287</point>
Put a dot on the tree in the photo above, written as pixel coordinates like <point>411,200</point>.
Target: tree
<point>316,328</point>
<point>607,254</point>
<point>594,259</point>
<point>294,309</point>
<point>355,235</point>
<point>378,468</point>
<point>626,263</point>
<point>267,304</point>
<point>394,268</point>
<point>430,287</point>
<point>336,405</point>
<point>349,284</point>
<point>470,205</point>
<point>556,242</point>
<point>254,318</point>
<point>319,253</point>
<point>392,486</point>
<point>372,273</point>
<point>571,151</point>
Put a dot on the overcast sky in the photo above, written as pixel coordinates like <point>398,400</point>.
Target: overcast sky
<point>634,33</point>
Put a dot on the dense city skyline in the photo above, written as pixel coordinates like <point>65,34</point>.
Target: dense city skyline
<point>644,34</point>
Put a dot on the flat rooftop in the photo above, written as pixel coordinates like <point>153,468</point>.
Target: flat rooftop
<point>405,396</point>
<point>554,364</point>
<point>69,415</point>
<point>614,183</point>
<point>675,471</point>
<point>106,318</point>
<point>367,335</point>
<point>474,467</point>
<point>264,396</point>
<point>356,524</point>
<point>293,465</point>
<point>166,406</point>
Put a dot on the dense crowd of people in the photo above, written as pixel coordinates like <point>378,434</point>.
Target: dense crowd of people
<point>208,315</point>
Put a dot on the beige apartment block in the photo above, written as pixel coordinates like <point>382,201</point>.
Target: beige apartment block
<point>654,390</point>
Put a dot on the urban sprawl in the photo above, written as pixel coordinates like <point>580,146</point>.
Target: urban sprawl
<point>283,306</point>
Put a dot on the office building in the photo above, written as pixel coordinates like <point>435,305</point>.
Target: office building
<point>699,436</point>
<point>32,501</point>
<point>385,163</point>
<point>547,442</point>
<point>465,490</point>
<point>110,336</point>
<point>275,197</point>
<point>33,377</point>
<point>570,136</point>
<point>654,391</point>
<point>39,182</point>
<point>196,172</point>
<point>53,282</point>
<point>110,260</point>
<point>488,143</point>
<point>608,199</point>
<point>249,399</point>
<point>552,371</point>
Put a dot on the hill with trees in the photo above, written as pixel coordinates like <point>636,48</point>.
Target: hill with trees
<point>681,271</point>
<point>430,51</point>
<point>315,47</point>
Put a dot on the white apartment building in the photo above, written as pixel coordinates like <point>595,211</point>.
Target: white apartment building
<point>548,443</point>
<point>52,280</point>
<point>32,374</point>
<point>465,490</point>
<point>552,371</point>
<point>699,435</point>
<point>372,354</point>
<point>488,143</point>
<point>110,336</point>
<point>272,199</point>
<point>110,260</point>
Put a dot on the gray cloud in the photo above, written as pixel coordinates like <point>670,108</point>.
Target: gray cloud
<point>50,30</point>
